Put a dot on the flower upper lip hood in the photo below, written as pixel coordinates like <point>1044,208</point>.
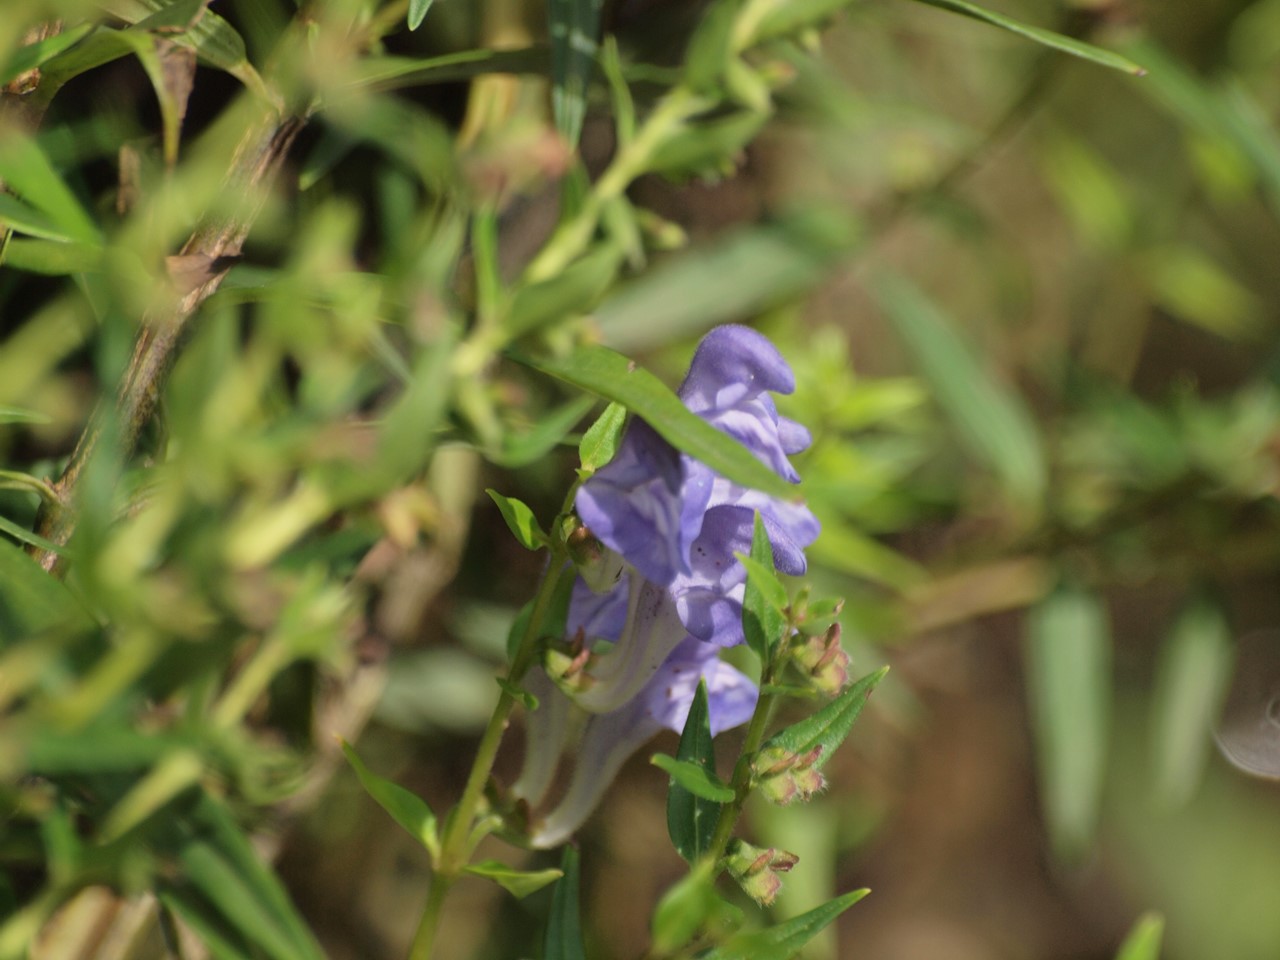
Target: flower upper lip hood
<point>650,502</point>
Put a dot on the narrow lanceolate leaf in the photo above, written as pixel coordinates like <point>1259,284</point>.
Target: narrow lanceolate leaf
<point>691,819</point>
<point>418,12</point>
<point>762,604</point>
<point>564,928</point>
<point>34,54</point>
<point>520,520</point>
<point>784,941</point>
<point>991,419</point>
<point>406,808</point>
<point>829,726</point>
<point>1077,48</point>
<point>1143,941</point>
<point>575,31</point>
<point>1069,675</point>
<point>518,883</point>
<point>600,442</point>
<point>1191,683</point>
<point>614,377</point>
<point>694,778</point>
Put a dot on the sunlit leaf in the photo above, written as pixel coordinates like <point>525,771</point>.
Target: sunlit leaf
<point>616,378</point>
<point>520,521</point>
<point>418,12</point>
<point>829,727</point>
<point>784,940</point>
<point>602,438</point>
<point>406,808</point>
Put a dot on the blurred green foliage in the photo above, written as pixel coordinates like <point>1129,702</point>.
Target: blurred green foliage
<point>293,280</point>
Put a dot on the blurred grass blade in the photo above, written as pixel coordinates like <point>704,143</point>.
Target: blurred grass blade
<point>390,72</point>
<point>232,849</point>
<point>691,820</point>
<point>1191,682</point>
<point>26,171</point>
<point>991,419</point>
<point>575,35</point>
<point>1077,48</point>
<point>1143,941</point>
<point>616,378</point>
<point>564,928</point>
<point>1230,116</point>
<point>406,808</point>
<point>755,268</point>
<point>50,257</point>
<point>31,601</point>
<point>1069,679</point>
<point>418,12</point>
<point>547,432</point>
<point>35,54</point>
<point>784,940</point>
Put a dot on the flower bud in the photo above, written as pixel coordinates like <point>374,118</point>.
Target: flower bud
<point>824,660</point>
<point>784,777</point>
<point>757,870</point>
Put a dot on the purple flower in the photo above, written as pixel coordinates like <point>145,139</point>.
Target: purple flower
<point>678,522</point>
<point>652,633</point>
<point>664,702</point>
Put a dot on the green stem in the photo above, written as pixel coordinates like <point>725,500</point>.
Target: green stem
<point>741,783</point>
<point>457,843</point>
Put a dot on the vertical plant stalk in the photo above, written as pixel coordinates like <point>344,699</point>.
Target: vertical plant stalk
<point>455,847</point>
<point>197,271</point>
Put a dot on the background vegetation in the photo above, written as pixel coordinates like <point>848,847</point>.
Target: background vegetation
<point>310,267</point>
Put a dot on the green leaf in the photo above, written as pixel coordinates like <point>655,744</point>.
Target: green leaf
<point>409,430</point>
<point>1069,675</point>
<point>829,726</point>
<point>518,883</point>
<point>23,535</point>
<point>50,257</point>
<point>614,377</point>
<point>34,54</point>
<point>691,819</point>
<point>765,598</point>
<point>783,941</point>
<point>574,27</point>
<point>1056,41</point>
<point>710,49</point>
<point>684,910</point>
<point>23,218</point>
<point>992,420</point>
<point>574,290</point>
<point>520,521</point>
<point>10,414</point>
<point>1143,941</point>
<point>406,808</point>
<point>694,778</point>
<point>522,449</point>
<point>32,602</point>
<point>564,928</point>
<point>600,442</point>
<point>707,147</point>
<point>390,72</point>
<point>1191,683</point>
<point>418,12</point>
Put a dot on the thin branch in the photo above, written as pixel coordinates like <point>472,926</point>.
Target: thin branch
<point>198,271</point>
